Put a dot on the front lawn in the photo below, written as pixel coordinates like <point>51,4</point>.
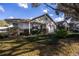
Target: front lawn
<point>40,45</point>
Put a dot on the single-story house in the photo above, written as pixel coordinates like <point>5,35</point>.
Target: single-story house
<point>44,22</point>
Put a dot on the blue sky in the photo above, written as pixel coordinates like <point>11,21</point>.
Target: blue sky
<point>25,11</point>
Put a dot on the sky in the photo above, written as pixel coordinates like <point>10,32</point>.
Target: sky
<point>26,11</point>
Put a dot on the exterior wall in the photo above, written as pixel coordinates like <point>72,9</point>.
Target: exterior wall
<point>27,27</point>
<point>50,25</point>
<point>65,24</point>
<point>24,26</point>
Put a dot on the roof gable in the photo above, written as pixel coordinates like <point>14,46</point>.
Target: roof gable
<point>44,15</point>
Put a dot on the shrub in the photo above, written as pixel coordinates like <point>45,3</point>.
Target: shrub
<point>3,35</point>
<point>55,38</point>
<point>36,31</point>
<point>61,33</point>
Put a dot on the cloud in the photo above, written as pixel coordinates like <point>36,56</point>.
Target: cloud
<point>2,9</point>
<point>11,17</point>
<point>59,19</point>
<point>51,14</point>
<point>45,11</point>
<point>23,5</point>
<point>31,17</point>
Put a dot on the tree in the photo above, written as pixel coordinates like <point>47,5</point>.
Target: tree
<point>69,9</point>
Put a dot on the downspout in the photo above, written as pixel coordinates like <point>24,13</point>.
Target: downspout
<point>29,28</point>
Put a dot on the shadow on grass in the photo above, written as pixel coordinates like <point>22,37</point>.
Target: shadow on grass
<point>42,45</point>
<point>41,39</point>
<point>16,48</point>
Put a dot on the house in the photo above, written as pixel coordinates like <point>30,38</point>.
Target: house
<point>74,24</point>
<point>63,24</point>
<point>43,23</point>
<point>69,24</point>
<point>10,21</point>
<point>48,21</point>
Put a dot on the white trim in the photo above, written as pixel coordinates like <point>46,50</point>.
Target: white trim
<point>10,26</point>
<point>3,27</point>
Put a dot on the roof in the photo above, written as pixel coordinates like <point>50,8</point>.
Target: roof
<point>61,23</point>
<point>44,15</point>
<point>27,21</point>
<point>15,20</point>
<point>3,23</point>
